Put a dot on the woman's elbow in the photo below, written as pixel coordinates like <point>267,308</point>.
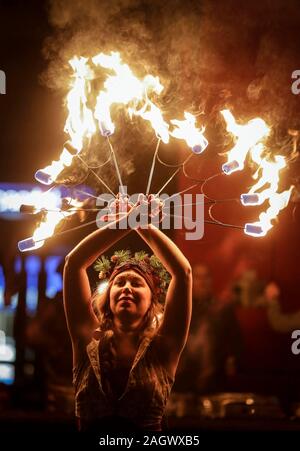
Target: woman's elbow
<point>68,259</point>
<point>71,262</point>
<point>188,270</point>
<point>185,271</point>
<point>189,273</point>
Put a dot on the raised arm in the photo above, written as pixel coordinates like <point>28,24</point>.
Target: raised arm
<point>77,293</point>
<point>174,328</point>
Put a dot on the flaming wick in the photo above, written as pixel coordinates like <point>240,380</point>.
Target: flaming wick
<point>152,167</point>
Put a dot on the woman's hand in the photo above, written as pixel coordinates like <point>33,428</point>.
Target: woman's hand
<point>150,208</point>
<point>119,207</point>
<point>157,206</point>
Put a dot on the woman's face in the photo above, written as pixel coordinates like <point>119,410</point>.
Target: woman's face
<point>130,295</point>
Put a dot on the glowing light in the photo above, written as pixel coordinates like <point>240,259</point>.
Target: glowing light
<point>254,229</point>
<point>7,351</point>
<point>12,199</point>
<point>277,203</point>
<point>267,174</point>
<point>152,113</point>
<point>250,199</point>
<point>188,131</point>
<point>269,171</point>
<point>79,124</point>
<point>48,175</point>
<point>246,137</point>
<point>7,373</point>
<point>47,227</point>
<point>29,244</point>
<point>102,286</point>
<point>126,89</point>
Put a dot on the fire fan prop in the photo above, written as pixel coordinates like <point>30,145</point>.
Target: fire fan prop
<point>123,88</point>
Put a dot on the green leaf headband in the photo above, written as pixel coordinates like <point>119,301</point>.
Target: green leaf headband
<point>149,267</point>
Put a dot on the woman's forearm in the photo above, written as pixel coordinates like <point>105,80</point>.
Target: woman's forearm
<point>167,251</point>
<point>86,252</point>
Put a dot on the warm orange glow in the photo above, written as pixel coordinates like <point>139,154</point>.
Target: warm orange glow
<point>152,113</point>
<point>126,89</point>
<point>79,123</point>
<point>188,131</point>
<point>246,137</point>
<point>52,219</point>
<point>277,203</point>
<point>269,175</point>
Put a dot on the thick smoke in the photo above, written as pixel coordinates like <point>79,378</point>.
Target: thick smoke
<point>208,54</point>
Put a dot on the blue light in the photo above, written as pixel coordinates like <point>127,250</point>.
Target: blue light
<point>32,267</point>
<point>18,265</point>
<point>7,373</point>
<point>14,195</point>
<point>2,285</point>
<point>54,278</point>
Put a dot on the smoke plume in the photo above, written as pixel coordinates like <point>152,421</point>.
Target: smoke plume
<point>208,54</point>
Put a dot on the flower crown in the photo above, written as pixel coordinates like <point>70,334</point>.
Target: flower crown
<point>150,266</point>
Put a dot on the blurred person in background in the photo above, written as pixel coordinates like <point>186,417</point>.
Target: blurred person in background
<point>214,344</point>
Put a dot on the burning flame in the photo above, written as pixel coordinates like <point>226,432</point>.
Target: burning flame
<point>79,124</point>
<point>48,224</point>
<point>188,131</point>
<point>124,88</point>
<point>247,136</point>
<point>52,219</point>
<point>152,113</point>
<point>269,175</point>
<point>277,202</point>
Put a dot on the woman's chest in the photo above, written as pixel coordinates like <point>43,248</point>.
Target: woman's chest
<point>115,376</point>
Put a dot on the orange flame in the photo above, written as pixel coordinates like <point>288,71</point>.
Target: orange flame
<point>79,124</point>
<point>277,203</point>
<point>125,88</point>
<point>188,131</point>
<point>52,219</point>
<point>152,113</point>
<point>246,137</point>
<point>269,175</point>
